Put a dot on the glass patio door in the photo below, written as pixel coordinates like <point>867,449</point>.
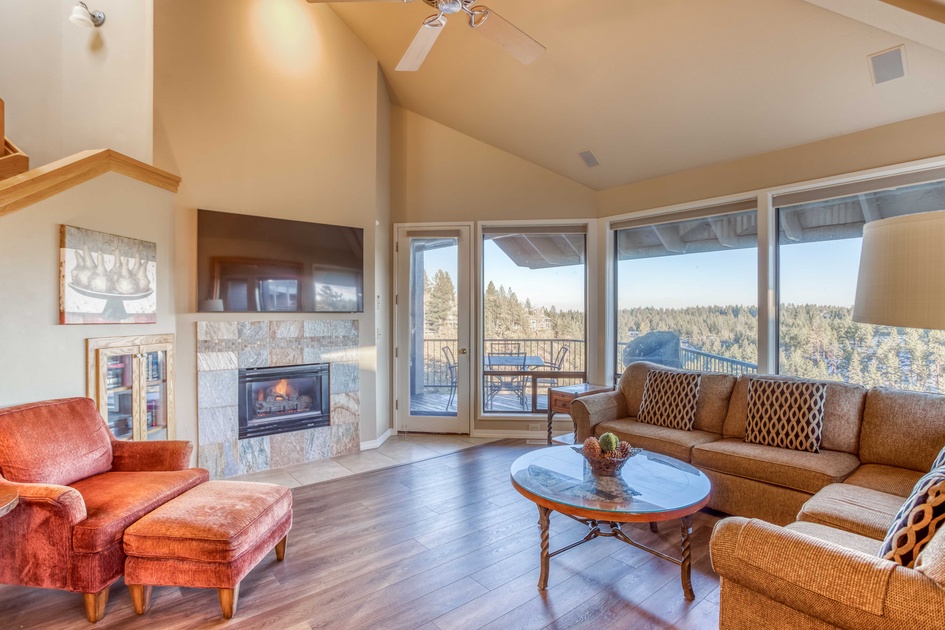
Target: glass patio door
<point>432,349</point>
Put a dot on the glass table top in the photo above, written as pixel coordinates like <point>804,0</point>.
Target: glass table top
<point>649,483</point>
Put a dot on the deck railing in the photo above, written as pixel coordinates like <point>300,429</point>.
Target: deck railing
<point>692,359</point>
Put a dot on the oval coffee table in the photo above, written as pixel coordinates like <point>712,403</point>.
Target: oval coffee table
<point>650,488</point>
<point>8,500</point>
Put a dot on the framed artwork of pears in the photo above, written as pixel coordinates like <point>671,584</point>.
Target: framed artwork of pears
<point>106,279</point>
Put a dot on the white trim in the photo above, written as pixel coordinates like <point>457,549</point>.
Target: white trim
<point>517,434</point>
<point>372,444</point>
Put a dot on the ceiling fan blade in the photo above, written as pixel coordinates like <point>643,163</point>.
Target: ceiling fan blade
<point>422,43</point>
<point>509,37</point>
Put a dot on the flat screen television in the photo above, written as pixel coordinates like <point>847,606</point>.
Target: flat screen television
<point>257,264</point>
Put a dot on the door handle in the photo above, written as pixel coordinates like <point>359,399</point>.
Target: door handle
<point>463,351</point>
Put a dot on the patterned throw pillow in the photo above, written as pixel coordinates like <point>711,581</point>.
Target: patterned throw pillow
<point>917,520</point>
<point>939,460</point>
<point>786,414</point>
<point>669,399</point>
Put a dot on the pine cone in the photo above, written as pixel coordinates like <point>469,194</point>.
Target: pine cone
<point>591,447</point>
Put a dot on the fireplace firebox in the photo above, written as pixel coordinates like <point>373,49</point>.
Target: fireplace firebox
<point>283,399</point>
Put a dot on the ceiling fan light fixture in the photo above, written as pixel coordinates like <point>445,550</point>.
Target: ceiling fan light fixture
<point>82,16</point>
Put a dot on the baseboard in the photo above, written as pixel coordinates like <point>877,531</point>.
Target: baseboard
<point>372,444</point>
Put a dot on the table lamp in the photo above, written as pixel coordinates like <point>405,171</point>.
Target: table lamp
<point>902,272</point>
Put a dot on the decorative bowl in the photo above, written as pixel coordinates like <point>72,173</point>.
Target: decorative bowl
<point>607,466</point>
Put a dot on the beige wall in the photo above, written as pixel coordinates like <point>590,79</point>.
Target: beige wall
<point>440,174</point>
<point>270,108</point>
<point>40,358</point>
<point>69,88</point>
<point>881,146</point>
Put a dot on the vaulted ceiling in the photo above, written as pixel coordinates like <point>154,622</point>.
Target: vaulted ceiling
<point>652,87</point>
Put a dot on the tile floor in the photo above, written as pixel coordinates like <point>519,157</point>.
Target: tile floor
<point>403,448</point>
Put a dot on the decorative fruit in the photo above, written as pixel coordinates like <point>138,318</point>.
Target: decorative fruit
<point>591,447</point>
<point>608,442</point>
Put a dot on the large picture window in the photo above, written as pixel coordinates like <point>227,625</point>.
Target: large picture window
<point>818,260</point>
<point>686,293</point>
<point>533,315</point>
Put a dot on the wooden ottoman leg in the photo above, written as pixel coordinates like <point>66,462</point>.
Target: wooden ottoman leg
<point>280,547</point>
<point>140,597</point>
<point>229,597</point>
<point>95,604</point>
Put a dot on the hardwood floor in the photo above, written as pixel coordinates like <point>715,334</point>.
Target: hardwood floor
<point>441,544</point>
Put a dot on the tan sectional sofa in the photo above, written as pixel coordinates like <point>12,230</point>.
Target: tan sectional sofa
<point>806,556</point>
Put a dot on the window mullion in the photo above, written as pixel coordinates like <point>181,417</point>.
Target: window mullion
<point>767,285</point>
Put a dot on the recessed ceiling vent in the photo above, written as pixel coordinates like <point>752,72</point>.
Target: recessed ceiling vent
<point>888,65</point>
<point>589,158</point>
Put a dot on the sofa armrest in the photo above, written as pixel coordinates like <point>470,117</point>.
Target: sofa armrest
<point>65,502</point>
<point>151,456</point>
<point>839,586</point>
<point>589,411</point>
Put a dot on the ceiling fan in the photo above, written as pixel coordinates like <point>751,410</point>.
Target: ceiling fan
<point>483,19</point>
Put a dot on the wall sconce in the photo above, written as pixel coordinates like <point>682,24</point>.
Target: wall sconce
<point>81,16</point>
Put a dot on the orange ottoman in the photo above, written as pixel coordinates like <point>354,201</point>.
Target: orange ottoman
<point>209,537</point>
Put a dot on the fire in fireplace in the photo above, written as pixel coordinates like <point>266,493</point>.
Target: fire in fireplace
<point>283,399</point>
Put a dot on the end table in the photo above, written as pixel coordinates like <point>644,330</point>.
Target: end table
<point>560,398</point>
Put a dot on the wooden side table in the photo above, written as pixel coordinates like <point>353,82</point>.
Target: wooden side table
<point>559,398</point>
<point>8,500</point>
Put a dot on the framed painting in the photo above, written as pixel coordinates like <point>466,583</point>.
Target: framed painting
<point>106,279</point>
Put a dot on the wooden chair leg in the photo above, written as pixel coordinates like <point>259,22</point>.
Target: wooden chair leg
<point>95,604</point>
<point>140,597</point>
<point>280,547</point>
<point>229,598</point>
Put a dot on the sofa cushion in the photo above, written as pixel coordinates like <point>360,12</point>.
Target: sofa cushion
<point>931,560</point>
<point>215,522</point>
<point>888,479</point>
<point>852,508</point>
<point>714,392</point>
<point>785,414</point>
<point>904,429</point>
<point>843,410</point>
<point>672,442</point>
<point>55,442</point>
<point>917,521</point>
<point>798,470</point>
<point>837,537</point>
<point>115,500</point>
<point>669,399</point>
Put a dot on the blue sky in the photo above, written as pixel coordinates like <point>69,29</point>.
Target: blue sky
<point>821,273</point>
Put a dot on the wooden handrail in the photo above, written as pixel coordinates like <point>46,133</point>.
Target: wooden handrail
<point>22,190</point>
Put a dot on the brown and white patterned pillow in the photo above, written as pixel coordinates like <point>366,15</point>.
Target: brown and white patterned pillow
<point>917,520</point>
<point>786,414</point>
<point>669,399</point>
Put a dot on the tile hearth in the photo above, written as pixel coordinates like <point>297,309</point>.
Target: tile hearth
<point>225,347</point>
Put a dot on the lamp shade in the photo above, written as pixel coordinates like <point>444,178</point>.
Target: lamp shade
<point>902,272</point>
<point>81,16</point>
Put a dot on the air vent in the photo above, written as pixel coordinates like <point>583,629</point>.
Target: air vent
<point>589,158</point>
<point>888,65</point>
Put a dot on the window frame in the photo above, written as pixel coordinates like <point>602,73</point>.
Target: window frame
<point>591,310</point>
<point>768,201</point>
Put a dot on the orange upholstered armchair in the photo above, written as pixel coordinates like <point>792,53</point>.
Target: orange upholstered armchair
<point>79,489</point>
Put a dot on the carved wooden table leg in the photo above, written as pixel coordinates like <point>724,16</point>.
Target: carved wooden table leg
<point>686,565</point>
<point>544,515</point>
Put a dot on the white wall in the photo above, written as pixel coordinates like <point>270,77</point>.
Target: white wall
<point>40,358</point>
<point>68,88</point>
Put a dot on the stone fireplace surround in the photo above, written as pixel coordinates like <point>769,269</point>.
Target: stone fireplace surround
<point>225,347</point>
